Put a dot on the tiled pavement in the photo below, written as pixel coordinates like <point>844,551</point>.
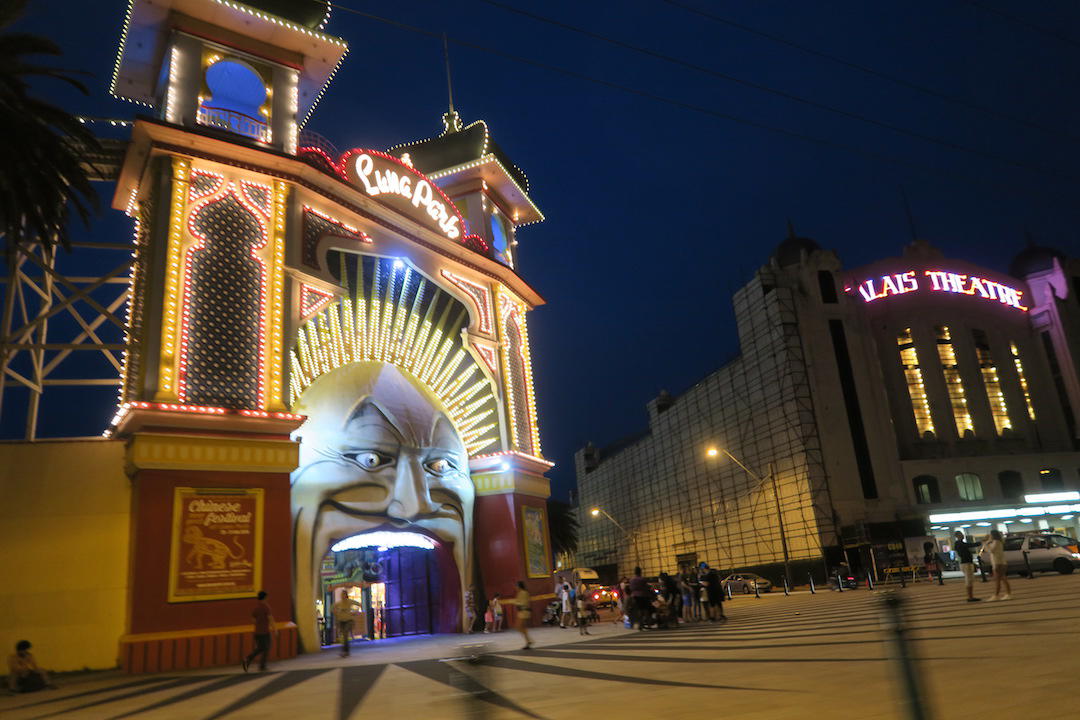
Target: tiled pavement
<point>803,656</point>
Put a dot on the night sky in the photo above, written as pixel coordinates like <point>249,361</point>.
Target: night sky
<point>657,212</point>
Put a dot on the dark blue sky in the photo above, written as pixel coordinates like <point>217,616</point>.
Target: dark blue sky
<point>657,213</point>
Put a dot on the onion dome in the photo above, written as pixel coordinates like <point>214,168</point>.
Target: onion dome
<point>1034,259</point>
<point>792,250</point>
<point>309,13</point>
<point>459,145</point>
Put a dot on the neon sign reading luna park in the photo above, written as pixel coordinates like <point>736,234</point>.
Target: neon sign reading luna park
<point>396,184</point>
<point>940,281</point>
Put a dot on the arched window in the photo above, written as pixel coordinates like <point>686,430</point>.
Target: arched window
<point>969,486</point>
<point>1051,479</point>
<point>238,99</point>
<point>1012,484</point>
<point>926,490</point>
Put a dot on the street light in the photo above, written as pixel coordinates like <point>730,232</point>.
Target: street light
<point>713,452</point>
<point>632,537</point>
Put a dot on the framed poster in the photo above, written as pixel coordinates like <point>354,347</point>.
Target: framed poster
<point>537,549</point>
<point>217,537</point>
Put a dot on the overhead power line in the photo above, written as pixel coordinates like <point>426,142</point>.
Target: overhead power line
<point>951,145</point>
<point>825,142</point>
<point>1022,23</point>
<point>876,73</point>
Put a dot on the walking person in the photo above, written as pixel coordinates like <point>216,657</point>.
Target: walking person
<point>345,611</point>
<point>581,599</point>
<point>523,603</point>
<point>640,600</point>
<point>470,610</point>
<point>624,599</point>
<point>967,565</point>
<point>996,549</point>
<point>497,612</point>
<point>567,597</point>
<point>264,625</point>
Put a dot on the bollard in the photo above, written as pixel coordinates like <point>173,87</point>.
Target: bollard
<point>940,574</point>
<point>903,578</point>
<point>812,590</point>
<point>904,657</point>
<point>839,582</point>
<point>787,590</point>
<point>1027,566</point>
<point>869,581</point>
<point>727,588</point>
<point>756,593</point>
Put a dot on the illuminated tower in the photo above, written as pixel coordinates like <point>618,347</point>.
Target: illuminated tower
<point>269,265</point>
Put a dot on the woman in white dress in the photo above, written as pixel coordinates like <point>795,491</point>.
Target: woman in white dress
<point>996,549</point>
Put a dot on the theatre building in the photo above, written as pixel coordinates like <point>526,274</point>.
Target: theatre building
<point>874,408</point>
<point>326,387</point>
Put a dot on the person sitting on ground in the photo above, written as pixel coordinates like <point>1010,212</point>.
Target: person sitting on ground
<point>24,675</point>
<point>662,608</point>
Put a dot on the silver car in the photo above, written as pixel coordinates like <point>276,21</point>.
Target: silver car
<point>1045,552</point>
<point>744,583</point>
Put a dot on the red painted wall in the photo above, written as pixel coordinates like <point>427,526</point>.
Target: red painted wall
<point>151,528</point>
<point>500,553</point>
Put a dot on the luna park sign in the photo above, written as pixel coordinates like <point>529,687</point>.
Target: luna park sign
<point>406,190</point>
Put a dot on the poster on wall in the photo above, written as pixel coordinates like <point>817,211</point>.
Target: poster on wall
<point>537,556</point>
<point>216,544</point>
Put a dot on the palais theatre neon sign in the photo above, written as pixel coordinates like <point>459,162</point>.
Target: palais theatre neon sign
<point>939,281</point>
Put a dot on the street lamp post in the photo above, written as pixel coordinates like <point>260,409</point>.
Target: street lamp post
<point>713,452</point>
<point>632,537</point>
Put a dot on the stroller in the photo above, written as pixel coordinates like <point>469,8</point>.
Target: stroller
<point>552,612</point>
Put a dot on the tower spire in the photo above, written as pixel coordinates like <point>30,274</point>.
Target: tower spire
<point>451,120</point>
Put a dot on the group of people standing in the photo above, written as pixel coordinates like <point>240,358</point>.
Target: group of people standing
<point>493,613</point>
<point>575,605</point>
<point>995,548</point>
<point>692,595</point>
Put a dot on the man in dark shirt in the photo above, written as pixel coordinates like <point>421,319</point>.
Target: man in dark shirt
<point>641,597</point>
<point>714,593</point>
<point>967,565</point>
<point>264,625</point>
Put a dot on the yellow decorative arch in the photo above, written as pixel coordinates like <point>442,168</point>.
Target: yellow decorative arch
<point>396,315</point>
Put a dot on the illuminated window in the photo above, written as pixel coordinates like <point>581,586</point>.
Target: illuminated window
<point>1051,479</point>
<point>969,486</point>
<point>998,409</point>
<point>920,405</point>
<point>953,383</point>
<point>1023,379</point>
<point>926,490</point>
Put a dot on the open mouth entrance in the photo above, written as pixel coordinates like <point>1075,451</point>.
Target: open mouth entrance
<point>401,581</point>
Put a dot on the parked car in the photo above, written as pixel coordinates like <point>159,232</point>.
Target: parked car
<point>1045,552</point>
<point>744,583</point>
<point>849,580</point>
<point>603,595</point>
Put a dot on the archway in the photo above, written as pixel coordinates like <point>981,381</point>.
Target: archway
<point>396,404</point>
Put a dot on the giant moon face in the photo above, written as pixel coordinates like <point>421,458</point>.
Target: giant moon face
<point>377,452</point>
